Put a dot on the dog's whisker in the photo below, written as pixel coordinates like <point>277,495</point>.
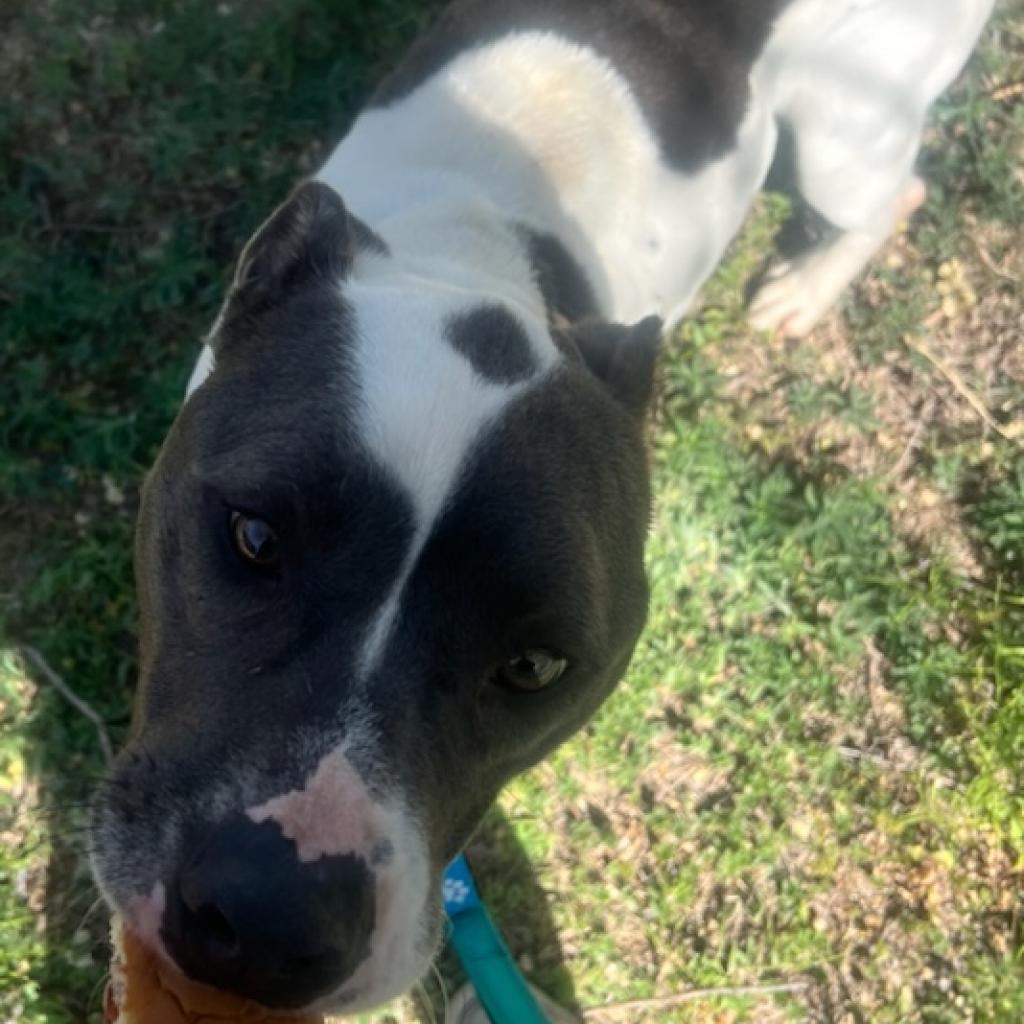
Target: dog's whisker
<point>443,986</point>
<point>418,996</point>
<point>424,1003</point>
<point>67,907</point>
<point>96,992</point>
<point>93,907</point>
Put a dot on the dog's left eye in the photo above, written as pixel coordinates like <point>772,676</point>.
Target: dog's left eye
<point>532,670</point>
<point>255,540</point>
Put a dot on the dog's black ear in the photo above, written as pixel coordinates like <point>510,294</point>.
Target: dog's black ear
<point>309,236</point>
<point>623,358</point>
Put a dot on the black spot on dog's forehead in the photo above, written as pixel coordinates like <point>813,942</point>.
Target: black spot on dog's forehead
<point>494,342</point>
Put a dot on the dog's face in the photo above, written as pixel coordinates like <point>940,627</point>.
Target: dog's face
<point>389,556</point>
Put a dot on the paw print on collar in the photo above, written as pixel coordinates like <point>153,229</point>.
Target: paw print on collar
<point>455,891</point>
<point>458,888</point>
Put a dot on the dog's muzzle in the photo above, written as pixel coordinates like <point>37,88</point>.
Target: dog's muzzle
<point>246,915</point>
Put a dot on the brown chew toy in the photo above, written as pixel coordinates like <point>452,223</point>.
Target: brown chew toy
<point>143,990</point>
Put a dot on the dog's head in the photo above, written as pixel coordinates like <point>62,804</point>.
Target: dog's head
<point>390,555</point>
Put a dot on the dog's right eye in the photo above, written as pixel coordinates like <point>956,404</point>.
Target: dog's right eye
<point>532,670</point>
<point>255,541</point>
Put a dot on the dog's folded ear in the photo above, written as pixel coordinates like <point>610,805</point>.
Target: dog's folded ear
<point>623,358</point>
<point>310,237</point>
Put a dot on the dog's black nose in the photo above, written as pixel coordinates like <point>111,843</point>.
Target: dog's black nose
<point>247,916</point>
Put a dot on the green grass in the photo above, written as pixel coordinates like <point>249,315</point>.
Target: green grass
<point>812,772</point>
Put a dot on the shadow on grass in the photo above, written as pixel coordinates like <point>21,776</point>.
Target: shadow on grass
<point>520,909</point>
<point>995,512</point>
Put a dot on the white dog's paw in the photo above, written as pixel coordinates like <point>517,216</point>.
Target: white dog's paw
<point>796,294</point>
<point>793,297</point>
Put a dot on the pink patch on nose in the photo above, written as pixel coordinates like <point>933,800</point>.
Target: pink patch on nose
<point>332,815</point>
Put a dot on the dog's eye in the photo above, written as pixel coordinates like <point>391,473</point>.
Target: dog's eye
<point>532,670</point>
<point>255,540</point>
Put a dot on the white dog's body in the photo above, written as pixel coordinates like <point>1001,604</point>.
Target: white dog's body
<point>540,130</point>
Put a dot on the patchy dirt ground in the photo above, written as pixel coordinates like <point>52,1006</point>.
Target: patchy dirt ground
<point>954,380</point>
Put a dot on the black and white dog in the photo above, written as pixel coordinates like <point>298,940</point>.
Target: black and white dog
<point>392,550</point>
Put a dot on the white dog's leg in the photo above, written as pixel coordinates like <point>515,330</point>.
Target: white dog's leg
<point>797,292</point>
<point>853,83</point>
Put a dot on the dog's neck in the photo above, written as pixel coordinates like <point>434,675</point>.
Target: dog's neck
<point>458,241</point>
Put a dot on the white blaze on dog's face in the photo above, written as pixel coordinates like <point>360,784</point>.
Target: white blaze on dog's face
<point>382,567</point>
<point>435,367</point>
